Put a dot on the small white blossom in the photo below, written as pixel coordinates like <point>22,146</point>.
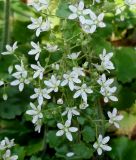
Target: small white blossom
<point>70,79</point>
<point>60,101</point>
<point>106,64</point>
<point>73,56</point>
<point>38,126</point>
<point>114,118</point>
<point>130,2</point>
<point>10,49</point>
<point>20,81</point>
<point>8,156</point>
<point>39,4</point>
<point>35,112</point>
<point>5,97</point>
<point>1,82</point>
<point>36,50</point>
<point>78,71</point>
<point>82,91</point>
<point>97,1</point>
<point>92,23</point>
<point>70,112</point>
<point>78,11</point>
<point>40,94</point>
<point>53,84</point>
<point>21,71</point>
<point>39,70</point>
<point>39,25</point>
<point>83,105</point>
<point>70,154</point>
<point>10,69</point>
<point>55,66</point>
<point>6,143</point>
<point>66,129</point>
<point>51,48</point>
<point>106,90</point>
<point>101,145</point>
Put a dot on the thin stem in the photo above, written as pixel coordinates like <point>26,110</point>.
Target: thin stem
<point>5,38</point>
<point>100,115</point>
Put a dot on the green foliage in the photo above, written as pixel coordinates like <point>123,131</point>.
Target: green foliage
<point>123,148</point>
<point>118,37</point>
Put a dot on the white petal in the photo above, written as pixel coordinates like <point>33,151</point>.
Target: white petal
<point>73,129</point>
<point>60,133</point>
<point>15,83</point>
<point>69,136</point>
<point>81,5</point>
<point>99,151</point>
<point>60,126</point>
<point>72,16</point>
<point>21,87</point>
<point>73,8</point>
<point>105,140</point>
<point>106,148</point>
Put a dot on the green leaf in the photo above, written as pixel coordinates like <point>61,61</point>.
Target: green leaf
<point>82,150</point>
<point>34,147</point>
<point>88,134</point>
<point>123,149</point>
<point>63,10</point>
<point>53,140</point>
<point>125,64</point>
<point>20,151</point>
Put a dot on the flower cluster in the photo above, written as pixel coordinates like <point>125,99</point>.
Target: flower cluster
<point>71,86</point>
<point>5,146</point>
<point>89,21</point>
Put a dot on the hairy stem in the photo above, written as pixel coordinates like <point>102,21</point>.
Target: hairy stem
<point>5,36</point>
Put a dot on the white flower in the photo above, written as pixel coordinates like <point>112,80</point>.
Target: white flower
<point>39,25</point>
<point>20,70</point>
<point>92,23</point>
<point>39,70</point>
<point>82,91</point>
<point>8,156</point>
<point>40,94</point>
<point>97,1</point>
<point>73,56</point>
<point>53,84</point>
<point>78,71</point>
<point>39,4</point>
<point>5,97</point>
<point>101,145</point>
<point>35,113</point>
<point>10,69</point>
<point>10,49</point>
<point>51,48</point>
<point>55,66</point>
<point>35,51</point>
<point>79,12</point>
<point>130,2</point>
<point>83,105</point>
<point>70,154</point>
<point>60,101</point>
<point>38,126</point>
<point>106,90</point>
<point>1,82</point>
<point>21,81</point>
<point>70,79</point>
<point>106,64</point>
<point>6,143</point>
<point>66,129</point>
<point>114,118</point>
<point>70,112</point>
